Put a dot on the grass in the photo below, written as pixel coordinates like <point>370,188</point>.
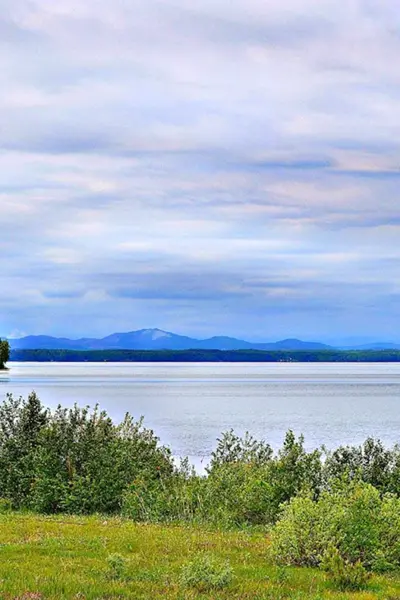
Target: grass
<point>56,558</point>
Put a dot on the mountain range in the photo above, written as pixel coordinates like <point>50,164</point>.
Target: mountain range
<point>157,339</point>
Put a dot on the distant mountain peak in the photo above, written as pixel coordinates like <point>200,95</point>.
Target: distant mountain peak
<point>156,334</point>
<point>157,339</point>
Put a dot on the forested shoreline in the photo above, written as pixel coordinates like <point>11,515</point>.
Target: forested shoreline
<point>340,356</point>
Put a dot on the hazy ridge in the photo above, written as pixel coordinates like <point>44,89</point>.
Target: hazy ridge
<point>157,339</point>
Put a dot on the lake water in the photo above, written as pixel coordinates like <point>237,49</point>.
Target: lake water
<point>190,404</point>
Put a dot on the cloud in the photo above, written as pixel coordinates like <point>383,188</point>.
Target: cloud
<point>198,166</point>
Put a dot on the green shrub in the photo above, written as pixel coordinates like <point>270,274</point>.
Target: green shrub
<point>371,462</point>
<point>205,573</point>
<point>117,567</point>
<point>78,461</point>
<point>171,497</point>
<point>232,448</point>
<point>5,505</point>
<point>353,517</point>
<point>246,485</point>
<point>21,425</point>
<point>73,460</point>
<point>343,574</point>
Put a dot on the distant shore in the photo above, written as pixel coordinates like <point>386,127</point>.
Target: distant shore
<point>232,356</point>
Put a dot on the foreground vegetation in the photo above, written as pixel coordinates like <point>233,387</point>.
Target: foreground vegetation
<point>93,558</point>
<point>4,353</point>
<point>79,461</point>
<point>258,524</point>
<point>233,356</point>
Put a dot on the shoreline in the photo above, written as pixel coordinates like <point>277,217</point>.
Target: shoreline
<point>205,356</point>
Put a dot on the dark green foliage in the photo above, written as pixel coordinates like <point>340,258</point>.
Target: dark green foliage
<point>86,462</point>
<point>21,426</point>
<point>5,506</point>
<point>180,495</point>
<point>245,485</point>
<point>43,355</point>
<point>78,461</point>
<point>4,353</point>
<point>73,460</point>
<point>249,484</point>
<point>370,462</point>
<point>234,449</point>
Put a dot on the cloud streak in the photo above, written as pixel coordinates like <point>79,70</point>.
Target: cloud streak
<point>205,167</point>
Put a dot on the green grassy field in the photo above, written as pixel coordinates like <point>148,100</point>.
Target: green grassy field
<point>66,557</point>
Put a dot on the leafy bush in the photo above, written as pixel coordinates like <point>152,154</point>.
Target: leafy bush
<point>78,461</point>
<point>21,426</point>
<point>354,518</point>
<point>343,574</point>
<point>205,573</point>
<point>371,462</point>
<point>117,566</point>
<point>231,448</point>
<point>246,484</point>
<point>5,505</point>
<point>175,496</point>
<point>73,460</point>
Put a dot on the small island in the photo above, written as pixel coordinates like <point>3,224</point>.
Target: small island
<point>4,354</point>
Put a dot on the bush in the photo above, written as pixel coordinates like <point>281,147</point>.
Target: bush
<point>73,460</point>
<point>205,573</point>
<point>5,505</point>
<point>370,462</point>
<point>21,425</point>
<point>117,567</point>
<point>234,449</point>
<point>172,497</point>
<point>78,461</point>
<point>354,518</point>
<point>343,574</point>
<point>246,485</point>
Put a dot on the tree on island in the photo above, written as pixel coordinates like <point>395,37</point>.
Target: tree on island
<point>4,353</point>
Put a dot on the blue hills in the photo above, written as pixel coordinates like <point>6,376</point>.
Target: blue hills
<point>156,339</point>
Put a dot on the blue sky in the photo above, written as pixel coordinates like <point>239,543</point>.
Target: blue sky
<point>204,167</point>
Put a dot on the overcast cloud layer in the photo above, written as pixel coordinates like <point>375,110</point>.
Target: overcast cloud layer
<point>201,166</point>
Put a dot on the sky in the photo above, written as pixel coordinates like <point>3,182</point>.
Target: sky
<point>201,166</point>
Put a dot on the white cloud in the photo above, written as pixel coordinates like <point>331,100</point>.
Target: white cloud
<point>238,160</point>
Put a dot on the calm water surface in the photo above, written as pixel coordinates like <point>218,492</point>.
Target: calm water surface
<point>190,404</point>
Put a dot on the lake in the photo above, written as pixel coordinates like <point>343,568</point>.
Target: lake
<point>190,404</point>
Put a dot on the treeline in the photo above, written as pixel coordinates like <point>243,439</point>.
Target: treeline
<point>43,355</point>
<point>341,506</point>
<point>4,353</point>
